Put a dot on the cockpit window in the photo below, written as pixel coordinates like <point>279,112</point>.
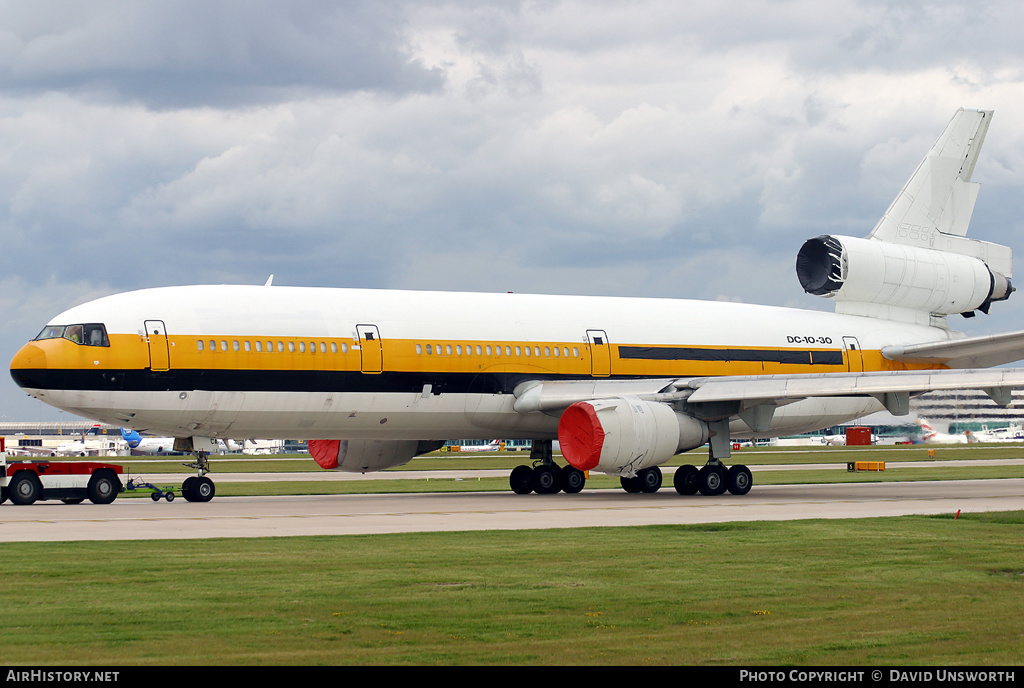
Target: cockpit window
<point>89,334</point>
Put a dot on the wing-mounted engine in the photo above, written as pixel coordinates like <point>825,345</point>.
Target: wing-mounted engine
<point>623,435</point>
<point>361,456</point>
<point>918,263</point>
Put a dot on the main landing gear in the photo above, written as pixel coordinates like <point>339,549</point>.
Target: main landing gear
<point>713,479</point>
<point>545,476</point>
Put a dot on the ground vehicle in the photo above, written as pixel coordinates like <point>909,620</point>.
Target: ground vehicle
<point>69,481</point>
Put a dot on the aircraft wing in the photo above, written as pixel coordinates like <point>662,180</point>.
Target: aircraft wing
<point>892,388</point>
<point>971,352</point>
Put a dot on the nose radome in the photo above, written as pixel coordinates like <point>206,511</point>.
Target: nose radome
<point>27,363</point>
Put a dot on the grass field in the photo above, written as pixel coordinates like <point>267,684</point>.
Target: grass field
<point>910,590</point>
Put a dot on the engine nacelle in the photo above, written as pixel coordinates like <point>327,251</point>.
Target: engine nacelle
<point>923,280</point>
<point>364,456</point>
<point>623,435</point>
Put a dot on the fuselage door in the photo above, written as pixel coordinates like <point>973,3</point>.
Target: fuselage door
<point>600,353</point>
<point>159,353</point>
<point>371,356</point>
<point>854,356</point>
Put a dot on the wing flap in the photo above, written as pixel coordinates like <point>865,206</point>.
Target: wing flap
<point>790,387</point>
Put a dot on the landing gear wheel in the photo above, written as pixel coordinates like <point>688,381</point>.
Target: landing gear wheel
<point>685,480</point>
<point>203,489</point>
<point>739,480</point>
<point>711,480</point>
<point>103,487</point>
<point>519,480</point>
<point>186,488</point>
<point>631,485</point>
<point>545,479</point>
<point>572,479</point>
<point>24,489</point>
<point>650,479</point>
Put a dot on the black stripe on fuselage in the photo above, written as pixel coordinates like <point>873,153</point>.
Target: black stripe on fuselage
<point>687,353</point>
<point>277,381</point>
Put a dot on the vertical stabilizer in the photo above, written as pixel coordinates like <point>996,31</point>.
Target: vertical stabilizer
<point>934,208</point>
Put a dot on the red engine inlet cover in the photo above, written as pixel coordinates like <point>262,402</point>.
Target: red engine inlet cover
<point>581,436</point>
<point>325,452</point>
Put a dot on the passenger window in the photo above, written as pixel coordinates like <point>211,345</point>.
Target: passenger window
<point>259,346</point>
<point>334,347</point>
<point>419,349</point>
<point>488,349</point>
<point>448,349</point>
<point>458,349</point>
<point>213,345</point>
<point>291,347</point>
<point>479,351</point>
<point>547,352</point>
<point>234,345</point>
<point>199,344</point>
<point>575,352</point>
<point>280,347</point>
<point>248,346</point>
<point>508,351</point>
<point>556,352</point>
<point>519,352</point>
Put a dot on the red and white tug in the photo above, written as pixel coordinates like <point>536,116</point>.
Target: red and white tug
<point>25,482</point>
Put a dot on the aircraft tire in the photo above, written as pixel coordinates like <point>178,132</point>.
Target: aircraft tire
<point>103,487</point>
<point>3,495</point>
<point>650,479</point>
<point>739,480</point>
<point>685,480</point>
<point>519,480</point>
<point>186,488</point>
<point>544,479</point>
<point>572,479</point>
<point>631,485</point>
<point>711,480</point>
<point>24,489</point>
<point>203,489</point>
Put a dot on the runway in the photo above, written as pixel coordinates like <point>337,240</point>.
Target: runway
<point>143,519</point>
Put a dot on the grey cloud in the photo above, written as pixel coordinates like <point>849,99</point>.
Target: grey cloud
<point>218,54</point>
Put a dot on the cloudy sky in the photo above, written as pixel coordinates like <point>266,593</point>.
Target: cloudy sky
<point>646,148</point>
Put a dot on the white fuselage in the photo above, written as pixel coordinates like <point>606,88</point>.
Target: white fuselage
<point>315,363</point>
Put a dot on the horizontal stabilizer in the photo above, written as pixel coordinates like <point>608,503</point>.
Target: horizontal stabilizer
<point>972,352</point>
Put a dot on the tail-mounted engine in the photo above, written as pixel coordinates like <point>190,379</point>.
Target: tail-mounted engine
<point>880,279</point>
<point>623,435</point>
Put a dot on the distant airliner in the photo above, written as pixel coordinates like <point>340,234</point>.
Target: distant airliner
<point>374,378</point>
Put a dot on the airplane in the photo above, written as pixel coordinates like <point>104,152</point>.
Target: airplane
<point>492,446</point>
<point>147,445</point>
<point>373,378</point>
<point>931,436</point>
